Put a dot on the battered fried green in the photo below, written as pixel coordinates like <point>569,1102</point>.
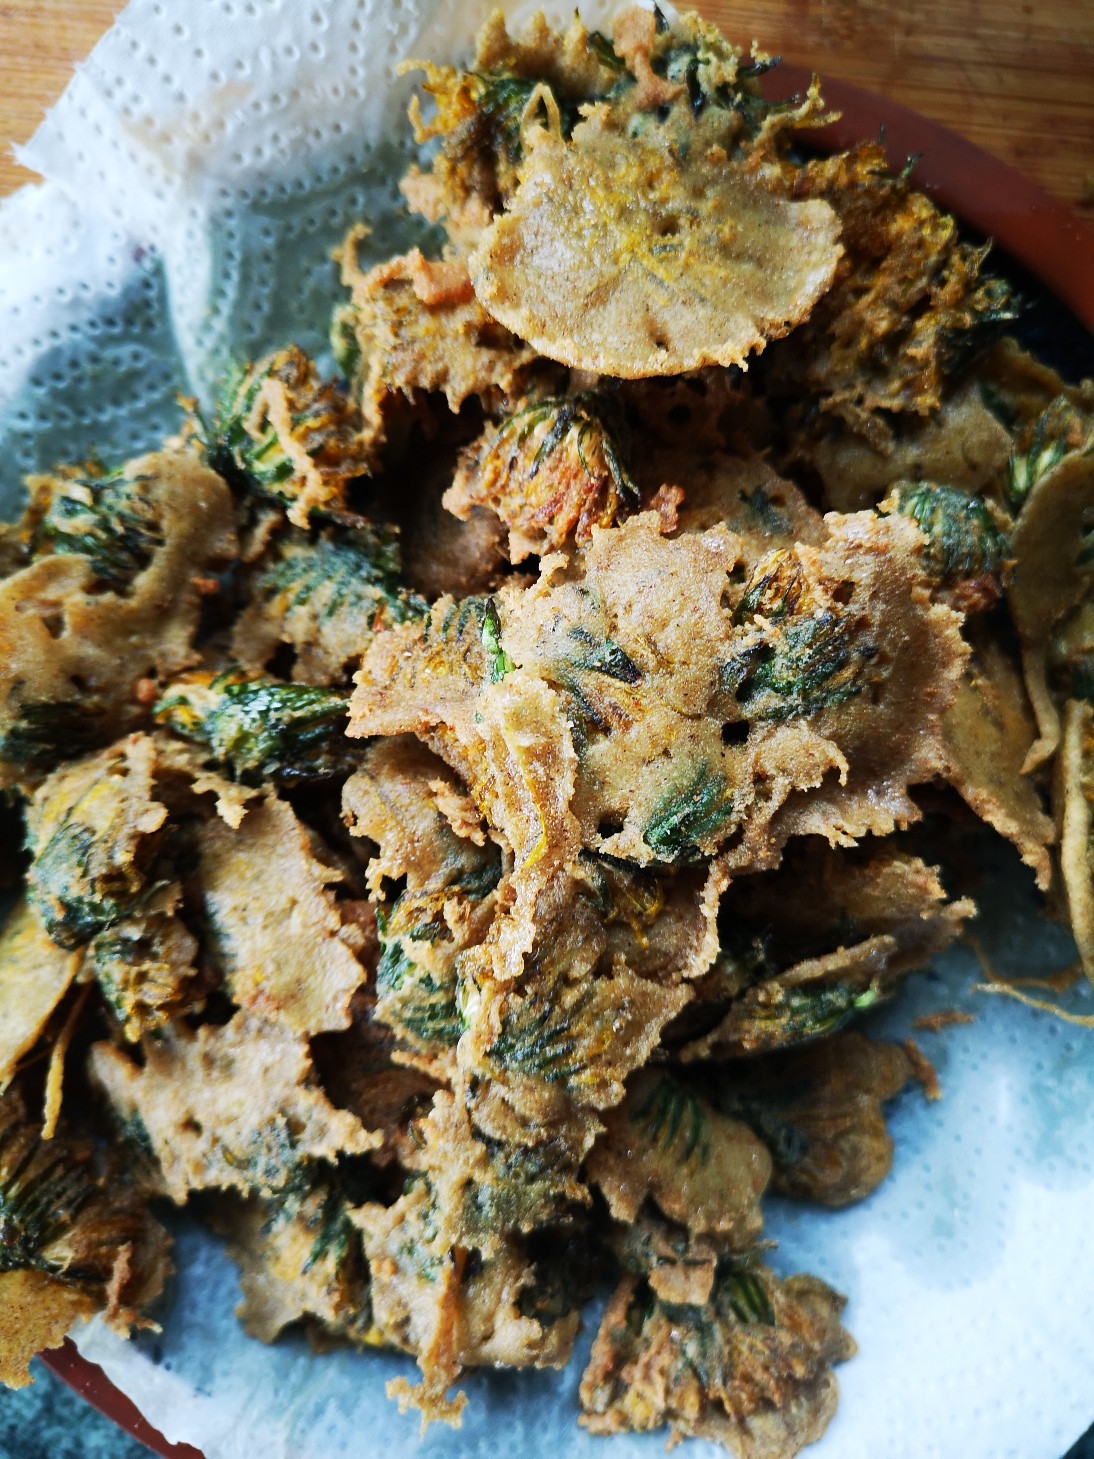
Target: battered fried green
<point>467,801</point>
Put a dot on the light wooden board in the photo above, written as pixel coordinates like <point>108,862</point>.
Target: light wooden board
<point>1017,78</point>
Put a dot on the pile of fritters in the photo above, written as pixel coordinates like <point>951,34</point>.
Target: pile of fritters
<point>466,801</point>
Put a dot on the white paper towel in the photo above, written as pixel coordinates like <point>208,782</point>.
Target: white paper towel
<point>200,167</point>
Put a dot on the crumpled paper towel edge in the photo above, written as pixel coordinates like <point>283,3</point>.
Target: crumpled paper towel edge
<point>182,185</point>
<point>165,180</point>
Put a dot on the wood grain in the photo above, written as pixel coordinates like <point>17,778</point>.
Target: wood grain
<point>40,42</point>
<point>1015,77</point>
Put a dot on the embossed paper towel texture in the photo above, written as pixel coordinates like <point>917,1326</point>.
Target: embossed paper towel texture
<point>199,169</point>
<point>201,165</point>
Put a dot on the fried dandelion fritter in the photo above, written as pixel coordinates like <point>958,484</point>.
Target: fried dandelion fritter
<point>470,803</point>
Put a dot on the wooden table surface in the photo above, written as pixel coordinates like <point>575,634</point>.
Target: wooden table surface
<point>1017,78</point>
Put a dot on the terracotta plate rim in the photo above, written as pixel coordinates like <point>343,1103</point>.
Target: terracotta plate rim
<point>91,1383</point>
<point>1044,235</point>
